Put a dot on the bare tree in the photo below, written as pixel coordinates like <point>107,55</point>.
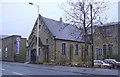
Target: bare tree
<point>78,14</point>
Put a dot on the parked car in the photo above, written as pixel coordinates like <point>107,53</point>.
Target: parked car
<point>101,64</point>
<point>114,63</point>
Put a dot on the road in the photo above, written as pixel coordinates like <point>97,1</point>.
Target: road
<point>21,69</point>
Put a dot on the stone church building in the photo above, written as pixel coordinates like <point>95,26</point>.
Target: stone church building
<point>58,43</point>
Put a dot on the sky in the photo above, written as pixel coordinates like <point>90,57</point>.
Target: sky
<point>17,17</point>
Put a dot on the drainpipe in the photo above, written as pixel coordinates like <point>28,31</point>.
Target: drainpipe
<point>55,49</point>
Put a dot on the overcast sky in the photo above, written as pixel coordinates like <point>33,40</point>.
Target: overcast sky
<point>18,17</point>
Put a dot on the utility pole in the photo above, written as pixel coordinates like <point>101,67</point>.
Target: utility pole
<point>92,47</point>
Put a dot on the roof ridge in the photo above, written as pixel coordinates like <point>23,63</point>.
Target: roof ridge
<point>50,19</point>
<point>54,20</point>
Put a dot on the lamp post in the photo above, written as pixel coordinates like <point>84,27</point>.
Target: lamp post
<point>92,35</point>
<point>37,29</point>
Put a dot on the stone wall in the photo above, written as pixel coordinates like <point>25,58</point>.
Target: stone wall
<point>102,37</point>
<point>47,40</point>
<point>71,58</point>
<point>9,49</point>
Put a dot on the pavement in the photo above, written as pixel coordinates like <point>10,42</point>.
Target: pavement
<point>77,70</point>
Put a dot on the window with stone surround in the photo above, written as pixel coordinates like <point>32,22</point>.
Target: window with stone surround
<point>63,49</point>
<point>46,41</point>
<point>109,32</point>
<point>104,51</point>
<point>98,52</point>
<point>106,32</point>
<point>76,49</point>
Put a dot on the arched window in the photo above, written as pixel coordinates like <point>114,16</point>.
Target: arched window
<point>63,49</point>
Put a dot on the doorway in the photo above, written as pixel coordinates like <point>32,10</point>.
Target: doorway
<point>33,55</point>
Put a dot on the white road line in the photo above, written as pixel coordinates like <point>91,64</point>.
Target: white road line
<point>2,69</point>
<point>17,73</point>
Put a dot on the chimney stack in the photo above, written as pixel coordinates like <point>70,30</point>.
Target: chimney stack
<point>60,19</point>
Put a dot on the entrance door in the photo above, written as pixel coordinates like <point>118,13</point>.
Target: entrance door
<point>33,55</point>
<point>71,53</point>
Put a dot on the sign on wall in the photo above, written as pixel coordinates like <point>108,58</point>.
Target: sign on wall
<point>18,45</point>
<point>6,50</point>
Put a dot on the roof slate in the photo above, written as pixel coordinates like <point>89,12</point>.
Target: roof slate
<point>62,30</point>
<point>3,36</point>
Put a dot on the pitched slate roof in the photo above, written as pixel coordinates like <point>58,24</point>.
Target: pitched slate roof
<point>3,36</point>
<point>62,30</point>
<point>108,24</point>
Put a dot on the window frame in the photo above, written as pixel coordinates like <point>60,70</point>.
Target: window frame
<point>76,49</point>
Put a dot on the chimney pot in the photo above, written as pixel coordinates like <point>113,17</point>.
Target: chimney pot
<point>60,19</point>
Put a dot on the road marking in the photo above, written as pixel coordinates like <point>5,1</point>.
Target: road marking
<point>2,69</point>
<point>17,73</point>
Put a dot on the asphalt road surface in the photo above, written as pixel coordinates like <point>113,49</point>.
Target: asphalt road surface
<point>32,70</point>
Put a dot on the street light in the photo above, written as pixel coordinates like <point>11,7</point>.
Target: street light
<point>37,29</point>
<point>30,3</point>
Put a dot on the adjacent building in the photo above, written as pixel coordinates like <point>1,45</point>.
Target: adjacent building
<point>13,48</point>
<point>107,41</point>
<point>58,43</point>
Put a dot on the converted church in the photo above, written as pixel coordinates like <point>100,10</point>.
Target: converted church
<point>58,43</point>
